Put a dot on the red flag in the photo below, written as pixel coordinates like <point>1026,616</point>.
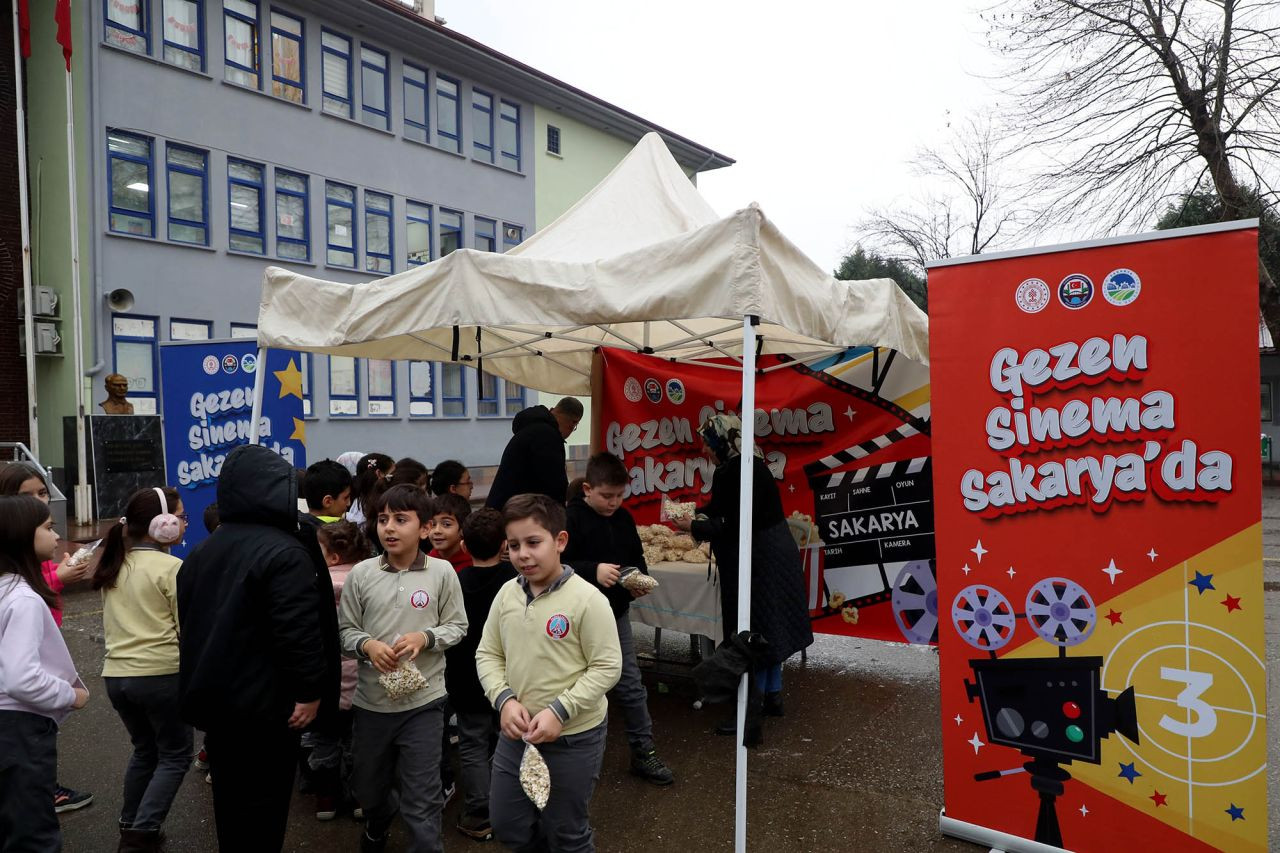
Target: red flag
<point>24,28</point>
<point>62,17</point>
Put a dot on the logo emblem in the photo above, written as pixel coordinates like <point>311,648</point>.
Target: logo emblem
<point>211,365</point>
<point>1075,291</point>
<point>631,389</point>
<point>1032,295</point>
<point>675,391</point>
<point>249,363</point>
<point>653,390</point>
<point>419,599</point>
<point>558,627</point>
<point>1121,287</point>
<point>230,364</point>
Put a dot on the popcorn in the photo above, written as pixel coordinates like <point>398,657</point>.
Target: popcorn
<point>662,544</point>
<point>836,600</point>
<point>403,681</point>
<point>850,614</point>
<point>637,581</point>
<point>535,776</point>
<point>83,554</point>
<point>673,510</point>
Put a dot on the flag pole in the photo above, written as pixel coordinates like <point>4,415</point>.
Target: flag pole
<point>24,215</point>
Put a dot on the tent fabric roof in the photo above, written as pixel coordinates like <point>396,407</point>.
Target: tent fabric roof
<point>640,262</point>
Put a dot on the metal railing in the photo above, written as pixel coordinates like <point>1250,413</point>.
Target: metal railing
<point>16,451</point>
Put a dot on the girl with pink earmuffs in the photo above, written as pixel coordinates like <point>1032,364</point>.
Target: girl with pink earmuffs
<point>139,582</point>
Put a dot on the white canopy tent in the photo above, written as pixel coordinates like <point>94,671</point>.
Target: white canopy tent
<point>642,263</point>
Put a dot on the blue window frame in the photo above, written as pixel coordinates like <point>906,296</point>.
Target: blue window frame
<point>131,203</point>
<point>512,236</point>
<point>377,232</point>
<point>485,234</point>
<point>380,378</point>
<point>288,58</point>
<point>340,224</point>
<point>183,33</point>
<point>293,215</point>
<point>488,395</point>
<point>374,91</point>
<point>509,134</point>
<point>243,52</point>
<point>453,390</point>
<point>246,231</point>
<point>187,173</point>
<point>305,367</point>
<point>133,356</point>
<point>190,330</point>
<point>450,231</point>
<point>417,233</point>
<point>335,60</point>
<point>514,393</point>
<point>126,22</point>
<point>416,110</point>
<point>448,114</point>
<point>422,389</point>
<point>482,125</point>
<point>344,386</point>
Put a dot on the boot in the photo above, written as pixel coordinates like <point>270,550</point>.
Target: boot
<point>753,732</point>
<point>139,840</point>
<point>773,704</point>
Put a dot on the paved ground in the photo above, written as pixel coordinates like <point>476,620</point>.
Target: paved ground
<point>855,765</point>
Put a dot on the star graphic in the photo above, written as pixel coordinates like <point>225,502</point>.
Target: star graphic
<point>1011,573</point>
<point>791,488</point>
<point>1152,554</point>
<point>1231,603</point>
<point>299,431</point>
<point>290,380</point>
<point>1114,617</point>
<point>965,568</point>
<point>1128,771</point>
<point>1084,810</point>
<point>1203,583</point>
<point>1159,799</point>
<point>975,743</point>
<point>849,413</point>
<point>1236,812</point>
<point>979,550</point>
<point>1112,571</point>
<point>959,719</point>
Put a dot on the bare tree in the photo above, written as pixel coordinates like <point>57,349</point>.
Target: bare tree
<point>1132,102</point>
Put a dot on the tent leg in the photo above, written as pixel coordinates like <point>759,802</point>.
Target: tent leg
<point>259,387</point>
<point>744,566</point>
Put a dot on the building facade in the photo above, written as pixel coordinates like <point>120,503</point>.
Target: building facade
<point>13,380</point>
<point>342,140</point>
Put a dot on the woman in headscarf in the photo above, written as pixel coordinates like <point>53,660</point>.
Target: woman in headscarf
<point>778,607</point>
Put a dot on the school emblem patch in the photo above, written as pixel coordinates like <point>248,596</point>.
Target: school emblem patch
<point>419,599</point>
<point>558,627</point>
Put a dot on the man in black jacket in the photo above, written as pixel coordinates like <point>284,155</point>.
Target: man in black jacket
<point>255,662</point>
<point>533,461</point>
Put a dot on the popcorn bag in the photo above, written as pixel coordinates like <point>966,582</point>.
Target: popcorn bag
<point>403,681</point>
<point>83,554</point>
<point>673,510</point>
<point>637,581</point>
<point>535,776</point>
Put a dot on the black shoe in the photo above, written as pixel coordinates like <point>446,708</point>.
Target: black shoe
<point>646,764</point>
<point>728,726</point>
<point>140,840</point>
<point>773,704</point>
<point>67,800</point>
<point>475,826</point>
<point>369,844</point>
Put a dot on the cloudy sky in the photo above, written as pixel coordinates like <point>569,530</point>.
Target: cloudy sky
<point>822,104</point>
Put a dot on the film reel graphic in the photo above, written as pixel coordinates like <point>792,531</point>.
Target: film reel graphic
<point>915,602</point>
<point>1061,612</point>
<point>983,617</point>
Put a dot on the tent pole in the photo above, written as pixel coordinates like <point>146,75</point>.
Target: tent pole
<point>259,388</point>
<point>744,565</point>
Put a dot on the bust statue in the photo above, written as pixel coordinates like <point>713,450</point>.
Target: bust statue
<point>117,389</point>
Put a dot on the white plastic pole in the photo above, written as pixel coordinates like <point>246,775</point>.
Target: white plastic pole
<point>744,566</point>
<point>84,496</point>
<point>259,388</point>
<point>28,312</point>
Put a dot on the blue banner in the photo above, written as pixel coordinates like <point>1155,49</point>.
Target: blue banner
<point>207,393</point>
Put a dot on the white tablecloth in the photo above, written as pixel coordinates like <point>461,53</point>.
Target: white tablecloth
<point>684,601</point>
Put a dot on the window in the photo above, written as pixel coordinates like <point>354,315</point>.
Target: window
<point>187,173</point>
<point>288,67</point>
<point>482,125</point>
<point>453,391</point>
<point>244,330</point>
<point>340,217</point>
<point>381,378</point>
<point>509,134</point>
<point>553,139</point>
<point>190,330</point>
<point>488,395</point>
<point>240,19</point>
<point>293,215</point>
<point>373,87</point>
<point>184,33</point>
<point>129,173</point>
<point>1266,403</point>
<point>377,232</point>
<point>512,236</point>
<point>305,366</point>
<point>515,397</point>
<point>133,354</point>
<point>416,125</point>
<point>486,234</point>
<point>422,389</point>
<point>244,192</point>
<point>417,233</point>
<point>448,114</point>
<point>344,386</point>
<point>335,55</point>
<point>127,25</point>
<point>450,231</point>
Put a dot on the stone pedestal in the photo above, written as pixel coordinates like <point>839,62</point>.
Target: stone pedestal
<point>126,453</point>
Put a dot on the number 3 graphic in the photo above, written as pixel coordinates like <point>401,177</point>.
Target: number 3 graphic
<point>1206,719</point>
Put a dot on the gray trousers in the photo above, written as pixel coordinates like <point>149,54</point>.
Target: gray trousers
<point>477,735</point>
<point>629,693</point>
<point>397,768</point>
<point>564,826</point>
<point>28,765</point>
<point>162,746</point>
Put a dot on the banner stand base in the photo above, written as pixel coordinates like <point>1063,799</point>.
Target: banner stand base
<point>991,838</point>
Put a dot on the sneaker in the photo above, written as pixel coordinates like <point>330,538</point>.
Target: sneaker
<point>326,807</point>
<point>475,826</point>
<point>357,813</point>
<point>646,764</point>
<point>201,761</point>
<point>449,791</point>
<point>67,800</point>
<point>208,778</point>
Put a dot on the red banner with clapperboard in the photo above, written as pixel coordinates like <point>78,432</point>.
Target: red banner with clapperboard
<point>848,445</point>
<point>1098,497</point>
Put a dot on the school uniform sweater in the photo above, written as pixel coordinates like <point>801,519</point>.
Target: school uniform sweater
<point>559,650</point>
<point>381,603</point>
<point>140,616</point>
<point>36,672</point>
